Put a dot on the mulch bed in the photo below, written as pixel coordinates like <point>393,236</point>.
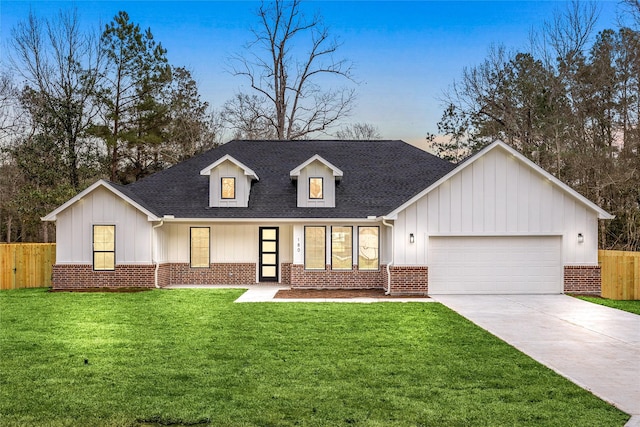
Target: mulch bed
<point>339,293</point>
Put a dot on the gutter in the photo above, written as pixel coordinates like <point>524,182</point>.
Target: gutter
<point>153,254</point>
<point>390,263</point>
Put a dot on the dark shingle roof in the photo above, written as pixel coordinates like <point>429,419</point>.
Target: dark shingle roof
<point>379,176</point>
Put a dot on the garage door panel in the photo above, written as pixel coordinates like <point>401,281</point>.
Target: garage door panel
<point>507,265</point>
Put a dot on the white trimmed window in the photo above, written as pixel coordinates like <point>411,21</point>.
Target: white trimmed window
<point>314,248</point>
<point>341,248</point>
<point>315,188</point>
<point>104,247</point>
<point>368,248</point>
<point>199,247</point>
<point>228,188</point>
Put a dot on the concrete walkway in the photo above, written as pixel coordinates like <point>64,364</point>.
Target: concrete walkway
<point>267,293</point>
<point>596,347</point>
<point>262,293</point>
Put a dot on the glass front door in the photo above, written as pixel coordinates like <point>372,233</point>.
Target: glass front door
<point>268,254</point>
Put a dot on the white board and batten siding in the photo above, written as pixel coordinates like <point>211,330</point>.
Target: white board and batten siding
<point>74,229</point>
<point>497,195</point>
<point>229,243</point>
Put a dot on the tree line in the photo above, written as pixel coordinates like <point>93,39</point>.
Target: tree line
<point>570,103</point>
<point>89,105</point>
<point>107,103</point>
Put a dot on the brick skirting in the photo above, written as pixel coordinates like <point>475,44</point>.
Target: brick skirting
<point>582,279</point>
<point>164,275</point>
<point>404,280</point>
<point>412,280</point>
<point>237,273</point>
<point>285,278</point>
<point>336,279</point>
<point>76,276</point>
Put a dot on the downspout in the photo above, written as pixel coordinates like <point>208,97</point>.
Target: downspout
<point>390,263</point>
<point>153,254</point>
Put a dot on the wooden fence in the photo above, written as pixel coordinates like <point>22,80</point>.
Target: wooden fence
<point>620,274</point>
<point>26,265</point>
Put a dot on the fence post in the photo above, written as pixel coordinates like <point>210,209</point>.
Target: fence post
<point>14,249</point>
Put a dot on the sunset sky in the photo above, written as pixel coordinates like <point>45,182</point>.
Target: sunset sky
<point>405,53</point>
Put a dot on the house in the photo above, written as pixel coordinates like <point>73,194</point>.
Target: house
<point>335,214</point>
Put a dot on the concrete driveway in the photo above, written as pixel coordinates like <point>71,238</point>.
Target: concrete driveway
<point>594,346</point>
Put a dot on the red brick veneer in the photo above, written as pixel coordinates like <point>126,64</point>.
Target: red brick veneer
<point>75,276</point>
<point>336,279</point>
<point>412,280</point>
<point>236,273</point>
<point>285,273</point>
<point>164,275</point>
<point>582,279</point>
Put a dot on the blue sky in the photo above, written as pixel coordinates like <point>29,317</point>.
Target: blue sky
<point>405,53</point>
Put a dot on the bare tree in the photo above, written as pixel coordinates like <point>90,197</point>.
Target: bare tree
<point>290,86</point>
<point>248,117</point>
<point>631,9</point>
<point>359,131</point>
<point>569,31</point>
<point>11,113</point>
<point>61,66</point>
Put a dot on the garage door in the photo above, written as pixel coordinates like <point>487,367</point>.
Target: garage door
<point>495,265</point>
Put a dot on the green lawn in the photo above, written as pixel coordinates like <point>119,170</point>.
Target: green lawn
<point>630,306</point>
<point>191,357</point>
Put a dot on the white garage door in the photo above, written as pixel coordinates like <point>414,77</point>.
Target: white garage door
<point>495,265</point>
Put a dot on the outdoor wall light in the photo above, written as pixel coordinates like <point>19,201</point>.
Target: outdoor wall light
<point>580,238</point>
<point>412,238</point>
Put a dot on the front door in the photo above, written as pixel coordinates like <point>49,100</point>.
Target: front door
<point>268,254</point>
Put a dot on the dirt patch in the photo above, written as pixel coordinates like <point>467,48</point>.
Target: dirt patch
<point>340,293</point>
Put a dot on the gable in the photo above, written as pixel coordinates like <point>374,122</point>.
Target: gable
<point>117,190</point>
<point>316,159</point>
<point>495,164</point>
<point>229,159</point>
<point>498,194</point>
<point>101,206</point>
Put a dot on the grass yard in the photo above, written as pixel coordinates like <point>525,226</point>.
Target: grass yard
<point>630,306</point>
<point>192,357</point>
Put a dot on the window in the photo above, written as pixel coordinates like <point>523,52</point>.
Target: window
<point>315,188</point>
<point>104,247</point>
<point>368,245</point>
<point>341,248</point>
<point>314,248</point>
<point>199,247</point>
<point>228,188</point>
